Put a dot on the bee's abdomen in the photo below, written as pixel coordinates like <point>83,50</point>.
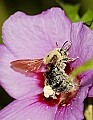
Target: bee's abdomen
<point>56,78</point>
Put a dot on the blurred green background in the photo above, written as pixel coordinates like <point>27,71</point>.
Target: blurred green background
<point>8,7</point>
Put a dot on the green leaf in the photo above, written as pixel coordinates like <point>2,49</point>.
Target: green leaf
<point>86,66</point>
<point>89,24</point>
<point>87,17</point>
<point>71,10</point>
<point>91,27</point>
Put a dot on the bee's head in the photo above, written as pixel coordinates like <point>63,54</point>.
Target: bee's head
<point>60,53</point>
<point>47,59</point>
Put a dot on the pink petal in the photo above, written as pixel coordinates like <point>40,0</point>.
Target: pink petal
<point>90,94</point>
<point>82,46</point>
<point>82,39</point>
<point>74,111</point>
<point>34,36</point>
<point>16,84</point>
<point>27,109</point>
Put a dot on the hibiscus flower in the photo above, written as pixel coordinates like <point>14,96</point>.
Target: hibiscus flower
<point>33,37</point>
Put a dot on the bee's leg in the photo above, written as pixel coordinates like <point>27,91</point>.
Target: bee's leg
<point>72,59</point>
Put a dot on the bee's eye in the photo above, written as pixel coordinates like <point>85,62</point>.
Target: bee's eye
<point>47,55</point>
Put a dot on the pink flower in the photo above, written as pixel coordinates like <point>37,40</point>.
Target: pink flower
<point>32,37</point>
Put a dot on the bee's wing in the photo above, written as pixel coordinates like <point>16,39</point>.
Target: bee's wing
<point>26,66</point>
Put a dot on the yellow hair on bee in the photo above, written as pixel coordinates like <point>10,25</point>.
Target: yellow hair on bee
<point>50,55</point>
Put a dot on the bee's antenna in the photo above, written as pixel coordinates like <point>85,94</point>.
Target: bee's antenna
<point>63,45</point>
<point>56,44</point>
<point>67,47</point>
